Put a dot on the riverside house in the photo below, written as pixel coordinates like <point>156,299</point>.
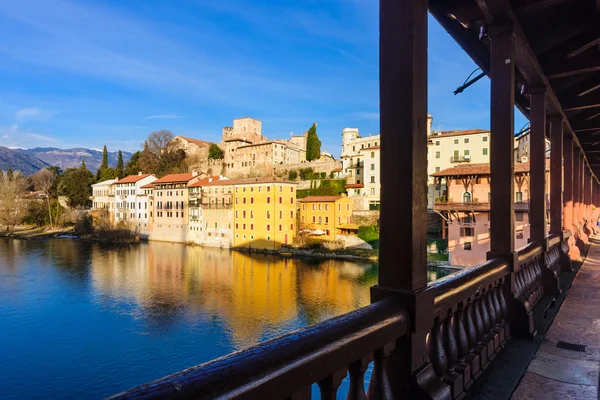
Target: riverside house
<point>103,198</point>
<point>264,212</point>
<point>465,210</point>
<point>126,200</point>
<point>171,197</point>
<point>326,216</point>
<point>210,212</point>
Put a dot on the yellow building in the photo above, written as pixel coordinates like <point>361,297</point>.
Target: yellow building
<point>327,216</point>
<point>264,212</point>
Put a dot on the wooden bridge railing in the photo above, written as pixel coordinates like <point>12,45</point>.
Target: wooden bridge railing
<point>286,367</point>
<point>470,324</point>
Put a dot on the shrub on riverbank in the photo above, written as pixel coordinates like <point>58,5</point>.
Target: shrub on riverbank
<point>369,234</point>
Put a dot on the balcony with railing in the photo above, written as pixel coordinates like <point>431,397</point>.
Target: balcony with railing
<point>442,339</point>
<point>460,159</point>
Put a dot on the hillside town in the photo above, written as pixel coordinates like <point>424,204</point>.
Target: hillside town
<point>252,192</point>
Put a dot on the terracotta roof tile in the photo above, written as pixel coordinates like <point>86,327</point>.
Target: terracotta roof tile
<point>320,199</point>
<point>197,141</point>
<point>480,169</point>
<point>132,179</point>
<point>207,180</point>
<point>148,186</point>
<point>459,133</point>
<point>171,178</point>
<point>354,186</point>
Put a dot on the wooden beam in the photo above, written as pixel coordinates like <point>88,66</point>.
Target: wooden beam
<point>528,6</point>
<point>526,59</point>
<point>566,59</point>
<point>502,221</point>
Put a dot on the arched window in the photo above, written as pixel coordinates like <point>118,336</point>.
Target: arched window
<point>466,197</point>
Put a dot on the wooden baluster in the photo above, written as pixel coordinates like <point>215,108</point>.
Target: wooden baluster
<point>379,387</point>
<point>459,326</point>
<point>484,312</point>
<point>519,283</point>
<point>480,347</point>
<point>357,369</point>
<point>452,378</point>
<point>472,357</point>
<point>329,386</point>
<point>487,324</point>
<point>493,333</point>
<point>435,349</point>
<point>498,311</point>
<point>504,308</point>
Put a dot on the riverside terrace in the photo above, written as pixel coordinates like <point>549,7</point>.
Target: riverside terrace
<point>444,340</point>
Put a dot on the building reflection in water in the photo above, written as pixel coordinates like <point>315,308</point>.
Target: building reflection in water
<point>254,297</point>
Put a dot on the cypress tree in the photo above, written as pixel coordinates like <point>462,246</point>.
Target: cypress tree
<point>313,144</point>
<point>120,171</point>
<point>104,164</point>
<point>83,166</point>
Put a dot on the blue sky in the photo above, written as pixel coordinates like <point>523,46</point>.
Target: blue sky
<point>95,72</point>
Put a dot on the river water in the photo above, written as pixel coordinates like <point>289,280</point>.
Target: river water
<point>81,320</point>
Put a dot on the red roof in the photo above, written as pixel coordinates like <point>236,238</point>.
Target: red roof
<point>172,178</point>
<point>481,169</point>
<point>459,133</point>
<point>207,180</point>
<point>320,199</point>
<point>337,170</point>
<point>354,186</point>
<point>371,148</point>
<point>148,186</point>
<point>132,179</point>
<point>197,141</point>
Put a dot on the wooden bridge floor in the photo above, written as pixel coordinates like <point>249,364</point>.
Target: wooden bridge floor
<point>557,373</point>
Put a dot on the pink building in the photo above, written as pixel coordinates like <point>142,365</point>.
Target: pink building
<point>465,205</point>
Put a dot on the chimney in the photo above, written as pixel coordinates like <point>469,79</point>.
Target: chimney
<point>210,179</point>
<point>194,173</point>
<point>139,173</point>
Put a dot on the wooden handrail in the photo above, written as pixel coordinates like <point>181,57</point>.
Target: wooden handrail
<point>450,290</point>
<point>528,252</point>
<point>288,365</point>
<point>553,240</point>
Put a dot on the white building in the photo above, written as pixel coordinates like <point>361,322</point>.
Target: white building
<point>128,198</point>
<point>360,165</point>
<point>522,148</point>
<point>103,195</point>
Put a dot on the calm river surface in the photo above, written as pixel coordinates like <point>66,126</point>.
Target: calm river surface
<point>81,320</point>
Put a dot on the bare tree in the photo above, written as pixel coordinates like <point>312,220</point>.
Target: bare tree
<point>157,141</point>
<point>13,207</point>
<point>43,181</point>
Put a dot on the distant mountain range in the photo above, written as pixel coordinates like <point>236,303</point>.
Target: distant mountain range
<point>31,160</point>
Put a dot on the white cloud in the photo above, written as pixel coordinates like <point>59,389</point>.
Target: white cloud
<point>41,137</point>
<point>165,116</point>
<point>33,113</point>
<point>367,115</point>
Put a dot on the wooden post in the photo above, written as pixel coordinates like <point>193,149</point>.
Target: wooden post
<point>576,187</point>
<point>556,175</point>
<point>403,240</point>
<point>537,203</point>
<point>502,209</point>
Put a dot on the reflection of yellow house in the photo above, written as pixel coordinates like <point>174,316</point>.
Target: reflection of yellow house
<point>327,216</point>
<point>264,213</point>
<point>254,295</point>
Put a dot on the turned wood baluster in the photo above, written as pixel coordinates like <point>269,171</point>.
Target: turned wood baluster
<point>496,304</point>
<point>329,386</point>
<point>450,346</point>
<point>479,329</point>
<point>484,312</point>
<point>519,284</point>
<point>302,394</point>
<point>357,369</point>
<point>489,303</point>
<point>379,387</point>
<point>459,324</point>
<point>435,349</point>
<point>470,325</point>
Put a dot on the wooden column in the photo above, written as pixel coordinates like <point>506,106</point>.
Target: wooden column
<point>537,202</point>
<point>556,175</point>
<point>502,209</point>
<point>576,187</point>
<point>403,229</point>
<point>568,184</point>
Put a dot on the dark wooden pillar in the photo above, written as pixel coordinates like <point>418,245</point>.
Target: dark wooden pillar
<point>556,175</point>
<point>537,202</point>
<point>403,229</point>
<point>568,184</point>
<point>576,187</point>
<point>502,209</point>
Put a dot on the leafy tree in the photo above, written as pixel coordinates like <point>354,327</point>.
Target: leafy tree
<point>313,144</point>
<point>13,208</point>
<point>43,180</point>
<point>120,172</point>
<point>172,162</point>
<point>305,173</point>
<point>292,175</point>
<point>75,183</point>
<point>215,152</point>
<point>149,161</point>
<point>133,165</point>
